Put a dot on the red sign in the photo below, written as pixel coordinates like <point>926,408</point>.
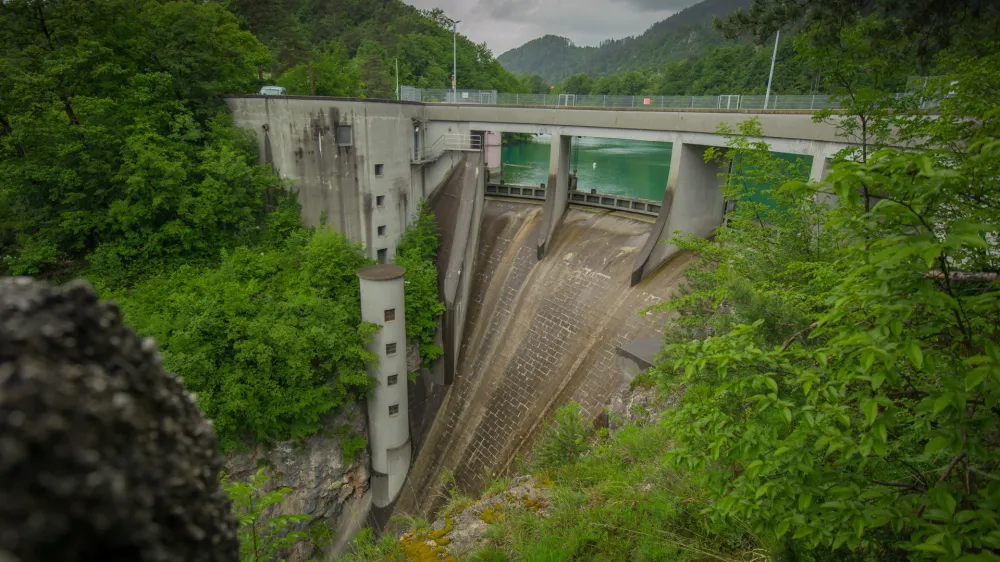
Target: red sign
<point>646,101</point>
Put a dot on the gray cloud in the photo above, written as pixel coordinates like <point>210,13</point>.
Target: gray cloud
<point>658,5</point>
<point>505,24</point>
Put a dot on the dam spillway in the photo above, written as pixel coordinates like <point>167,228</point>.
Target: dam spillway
<point>537,335</point>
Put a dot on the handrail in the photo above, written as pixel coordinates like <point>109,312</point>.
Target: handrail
<point>449,141</point>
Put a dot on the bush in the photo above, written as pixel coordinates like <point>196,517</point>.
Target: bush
<point>417,252</point>
<point>855,416</point>
<point>269,341</point>
<point>262,537</point>
<point>565,439</point>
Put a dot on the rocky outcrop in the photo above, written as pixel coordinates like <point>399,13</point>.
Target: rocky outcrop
<point>453,537</point>
<point>638,403</point>
<point>103,455</point>
<point>331,489</point>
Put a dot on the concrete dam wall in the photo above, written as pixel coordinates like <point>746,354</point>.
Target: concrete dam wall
<point>537,334</point>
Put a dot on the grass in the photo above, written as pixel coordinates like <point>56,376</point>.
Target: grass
<point>617,502</point>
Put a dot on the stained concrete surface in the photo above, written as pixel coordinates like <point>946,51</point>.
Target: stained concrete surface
<point>538,334</point>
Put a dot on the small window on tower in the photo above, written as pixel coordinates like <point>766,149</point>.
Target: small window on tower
<point>379,168</point>
<point>380,200</point>
<point>381,230</point>
<point>393,380</point>
<point>390,315</point>
<point>383,254</point>
<point>394,410</point>
<point>390,349</point>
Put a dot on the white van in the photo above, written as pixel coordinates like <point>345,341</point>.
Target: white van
<point>272,91</point>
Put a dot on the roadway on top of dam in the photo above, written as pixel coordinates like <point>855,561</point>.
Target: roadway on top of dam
<point>787,131</point>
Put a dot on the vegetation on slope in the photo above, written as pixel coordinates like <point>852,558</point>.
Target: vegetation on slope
<point>685,34</point>
<point>350,48</point>
<point>119,163</point>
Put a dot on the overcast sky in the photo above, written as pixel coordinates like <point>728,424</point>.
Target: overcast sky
<point>505,24</point>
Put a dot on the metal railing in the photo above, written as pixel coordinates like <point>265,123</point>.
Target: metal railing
<point>590,199</point>
<point>446,142</point>
<point>725,102</point>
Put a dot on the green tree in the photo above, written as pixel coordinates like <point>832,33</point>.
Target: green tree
<point>374,72</point>
<point>565,439</point>
<point>111,140</point>
<point>535,84</point>
<point>270,341</point>
<point>417,252</point>
<point>870,431</point>
<point>576,84</point>
<point>326,73</point>
<point>262,536</point>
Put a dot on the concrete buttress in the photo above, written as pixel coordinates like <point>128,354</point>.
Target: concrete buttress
<point>693,203</point>
<point>557,192</point>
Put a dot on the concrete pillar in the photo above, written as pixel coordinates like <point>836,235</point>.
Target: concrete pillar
<point>819,169</point>
<point>388,414</point>
<point>493,142</point>
<point>692,203</point>
<point>556,192</point>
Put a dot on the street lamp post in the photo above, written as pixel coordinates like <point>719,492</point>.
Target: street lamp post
<point>454,59</point>
<point>767,95</point>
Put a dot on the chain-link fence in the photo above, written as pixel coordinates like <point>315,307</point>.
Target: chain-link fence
<point>727,102</point>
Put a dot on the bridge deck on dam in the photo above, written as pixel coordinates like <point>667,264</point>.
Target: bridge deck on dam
<point>538,334</point>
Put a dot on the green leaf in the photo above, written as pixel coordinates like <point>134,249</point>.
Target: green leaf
<point>935,445</point>
<point>771,384</point>
<point>783,527</point>
<point>787,414</point>
<point>975,377</point>
<point>870,409</point>
<point>805,500</point>
<point>942,402</point>
<point>915,354</point>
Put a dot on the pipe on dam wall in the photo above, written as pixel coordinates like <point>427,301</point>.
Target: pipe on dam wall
<point>537,335</point>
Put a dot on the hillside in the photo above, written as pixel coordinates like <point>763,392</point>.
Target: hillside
<point>350,47</point>
<point>683,34</point>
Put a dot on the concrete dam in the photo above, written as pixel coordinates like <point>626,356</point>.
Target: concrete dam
<point>542,292</point>
<point>538,334</point>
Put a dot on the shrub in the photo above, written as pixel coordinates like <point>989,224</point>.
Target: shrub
<point>262,537</point>
<point>269,341</point>
<point>565,438</point>
<point>417,252</point>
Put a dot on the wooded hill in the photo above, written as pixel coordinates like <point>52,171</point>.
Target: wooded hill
<point>684,34</point>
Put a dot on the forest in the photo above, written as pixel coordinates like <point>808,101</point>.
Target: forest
<point>688,33</point>
<point>119,163</point>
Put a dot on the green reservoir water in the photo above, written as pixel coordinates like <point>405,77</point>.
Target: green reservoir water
<point>612,166</point>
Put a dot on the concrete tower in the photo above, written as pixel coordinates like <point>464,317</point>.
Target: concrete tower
<point>388,415</point>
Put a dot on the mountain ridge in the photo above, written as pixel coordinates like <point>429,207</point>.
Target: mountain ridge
<point>686,33</point>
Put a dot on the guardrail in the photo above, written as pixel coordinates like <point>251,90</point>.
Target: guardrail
<point>730,102</point>
<point>446,142</point>
<point>598,200</point>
